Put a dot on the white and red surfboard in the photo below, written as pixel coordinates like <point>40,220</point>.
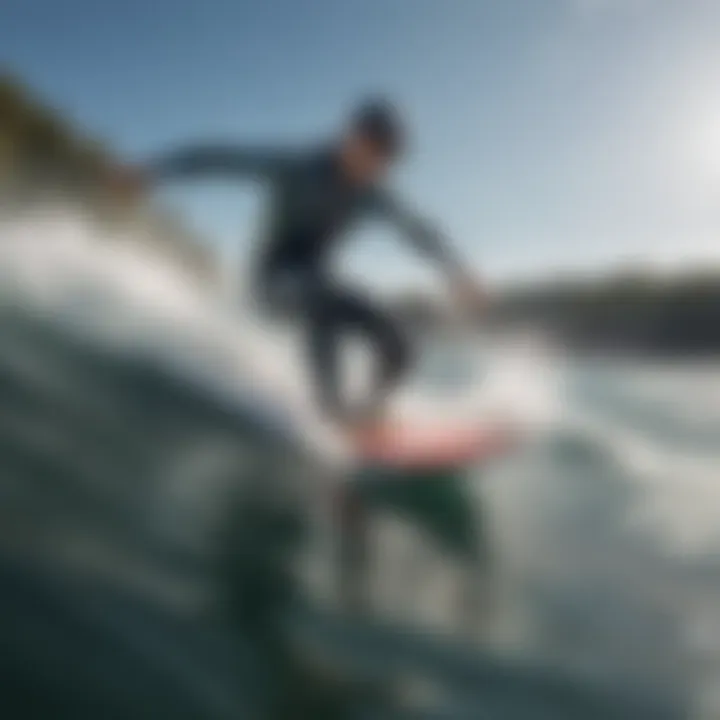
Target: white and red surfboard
<point>425,447</point>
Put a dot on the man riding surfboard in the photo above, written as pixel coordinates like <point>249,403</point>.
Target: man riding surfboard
<point>315,195</point>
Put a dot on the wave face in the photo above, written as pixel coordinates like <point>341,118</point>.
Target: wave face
<point>132,418</point>
<point>135,406</point>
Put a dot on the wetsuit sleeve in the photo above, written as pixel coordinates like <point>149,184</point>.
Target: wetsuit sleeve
<point>425,237</point>
<point>220,160</point>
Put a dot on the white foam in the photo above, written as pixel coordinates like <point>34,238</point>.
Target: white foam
<point>127,295</point>
<point>681,505</point>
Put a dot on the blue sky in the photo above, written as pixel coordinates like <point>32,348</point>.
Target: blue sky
<point>549,134</point>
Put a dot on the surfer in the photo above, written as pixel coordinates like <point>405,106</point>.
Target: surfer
<point>315,195</point>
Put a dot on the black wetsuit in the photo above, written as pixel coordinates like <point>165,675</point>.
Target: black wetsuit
<point>311,206</point>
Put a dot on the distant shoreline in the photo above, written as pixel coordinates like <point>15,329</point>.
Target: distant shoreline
<point>636,315</point>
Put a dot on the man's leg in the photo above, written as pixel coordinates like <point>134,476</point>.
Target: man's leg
<point>336,311</point>
<point>392,350</point>
<point>326,322</point>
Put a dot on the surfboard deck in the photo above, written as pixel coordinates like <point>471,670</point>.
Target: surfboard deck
<point>428,447</point>
<point>422,473</point>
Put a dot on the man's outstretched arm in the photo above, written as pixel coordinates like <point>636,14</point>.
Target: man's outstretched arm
<point>224,160</point>
<point>431,243</point>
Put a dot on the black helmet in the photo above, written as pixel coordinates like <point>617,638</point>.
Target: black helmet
<point>379,120</point>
